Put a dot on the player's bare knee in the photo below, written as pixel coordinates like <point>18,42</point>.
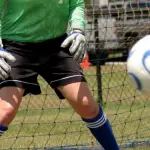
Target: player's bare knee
<point>89,109</point>
<point>7,113</point>
<point>10,99</point>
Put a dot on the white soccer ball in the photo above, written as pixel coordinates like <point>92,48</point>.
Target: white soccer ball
<point>138,65</point>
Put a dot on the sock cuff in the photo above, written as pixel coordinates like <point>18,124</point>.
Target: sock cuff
<point>2,129</point>
<point>97,121</point>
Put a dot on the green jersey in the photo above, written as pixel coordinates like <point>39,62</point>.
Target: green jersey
<point>39,20</point>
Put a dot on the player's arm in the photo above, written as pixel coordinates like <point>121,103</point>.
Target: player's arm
<point>4,55</point>
<point>77,14</point>
<point>1,44</point>
<point>76,37</point>
<point>1,10</point>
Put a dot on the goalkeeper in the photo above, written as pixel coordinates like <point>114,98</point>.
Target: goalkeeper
<point>34,42</point>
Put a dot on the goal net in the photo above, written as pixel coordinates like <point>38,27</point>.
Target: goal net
<point>44,122</point>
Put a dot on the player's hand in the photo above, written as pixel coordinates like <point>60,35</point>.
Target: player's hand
<point>78,44</point>
<point>5,68</point>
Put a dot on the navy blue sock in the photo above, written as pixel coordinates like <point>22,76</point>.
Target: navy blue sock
<point>2,129</point>
<point>102,131</point>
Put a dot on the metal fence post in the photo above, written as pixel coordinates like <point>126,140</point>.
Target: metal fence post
<point>98,60</point>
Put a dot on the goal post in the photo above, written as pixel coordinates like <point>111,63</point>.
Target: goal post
<point>44,122</point>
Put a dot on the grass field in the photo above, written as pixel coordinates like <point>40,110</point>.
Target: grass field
<point>44,121</point>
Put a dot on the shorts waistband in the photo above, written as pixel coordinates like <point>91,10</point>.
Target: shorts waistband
<point>54,44</point>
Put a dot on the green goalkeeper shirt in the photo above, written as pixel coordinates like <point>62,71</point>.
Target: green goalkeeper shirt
<point>39,20</point>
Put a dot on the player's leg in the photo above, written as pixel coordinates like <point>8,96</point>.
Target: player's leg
<point>71,85</point>
<point>10,99</point>
<point>22,80</point>
<point>80,98</point>
<point>65,75</point>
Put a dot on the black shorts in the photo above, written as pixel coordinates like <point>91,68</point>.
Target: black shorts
<point>47,59</point>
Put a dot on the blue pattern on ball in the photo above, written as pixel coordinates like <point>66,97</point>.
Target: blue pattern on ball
<point>146,54</point>
<point>137,80</point>
<point>130,54</point>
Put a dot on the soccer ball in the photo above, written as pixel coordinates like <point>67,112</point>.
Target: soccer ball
<point>138,65</point>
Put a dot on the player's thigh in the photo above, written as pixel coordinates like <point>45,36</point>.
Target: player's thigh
<point>10,99</point>
<point>80,98</point>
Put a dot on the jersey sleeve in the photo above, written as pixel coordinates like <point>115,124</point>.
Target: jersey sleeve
<point>0,35</point>
<point>2,5</point>
<point>77,14</point>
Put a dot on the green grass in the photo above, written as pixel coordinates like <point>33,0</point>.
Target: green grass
<point>45,121</point>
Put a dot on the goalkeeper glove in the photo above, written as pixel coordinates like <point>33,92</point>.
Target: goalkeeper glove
<point>4,66</point>
<point>78,44</point>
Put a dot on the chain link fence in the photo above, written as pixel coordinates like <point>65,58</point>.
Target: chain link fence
<point>45,122</point>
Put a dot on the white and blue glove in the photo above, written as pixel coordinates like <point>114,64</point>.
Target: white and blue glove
<point>78,44</point>
<point>5,68</point>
